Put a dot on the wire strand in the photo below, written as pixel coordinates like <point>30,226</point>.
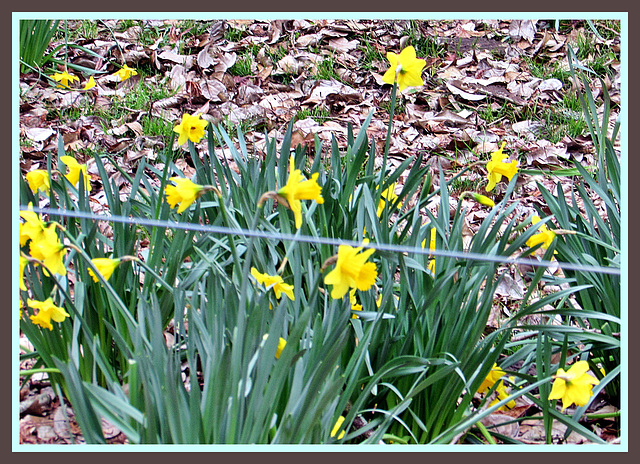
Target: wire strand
<point>324,240</point>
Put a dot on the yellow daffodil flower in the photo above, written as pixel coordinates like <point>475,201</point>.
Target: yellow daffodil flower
<point>184,193</point>
<point>64,78</point>
<point>388,195</point>
<point>496,168</point>
<point>432,246</point>
<point>46,312</point>
<point>298,188</point>
<point>91,83</point>
<point>74,170</point>
<point>125,73</point>
<point>38,179</point>
<point>281,344</point>
<point>573,386</point>
<point>336,427</point>
<point>544,236</point>
<point>275,282</point>
<point>23,264</point>
<point>50,251</point>
<point>405,68</point>
<point>105,267</point>
<point>354,303</point>
<point>191,128</point>
<point>502,393</point>
<point>32,228</point>
<point>352,271</point>
<point>492,377</point>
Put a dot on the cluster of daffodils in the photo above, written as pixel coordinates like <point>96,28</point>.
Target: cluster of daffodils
<point>352,268</point>
<point>65,80</point>
<point>40,243</point>
<point>40,182</point>
<point>574,386</point>
<point>497,168</point>
<point>46,250</point>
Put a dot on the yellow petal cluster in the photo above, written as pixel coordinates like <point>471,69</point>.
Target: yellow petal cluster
<point>91,83</point>
<point>191,128</point>
<point>38,179</point>
<point>496,168</point>
<point>336,427</point>
<point>49,250</point>
<point>432,246</point>
<point>275,282</point>
<point>353,301</point>
<point>493,376</point>
<point>23,264</point>
<point>501,394</point>
<point>352,271</point>
<point>32,228</point>
<point>184,193</point>
<point>105,267</point>
<point>405,68</point>
<point>74,170</point>
<point>125,73</point>
<point>299,188</point>
<point>573,386</point>
<point>47,311</point>
<point>544,236</point>
<point>388,195</point>
<point>64,78</point>
<point>281,344</point>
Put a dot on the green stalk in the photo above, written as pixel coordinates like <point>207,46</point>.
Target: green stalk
<point>387,142</point>
<point>29,372</point>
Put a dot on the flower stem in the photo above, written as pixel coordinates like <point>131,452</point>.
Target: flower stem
<point>387,142</point>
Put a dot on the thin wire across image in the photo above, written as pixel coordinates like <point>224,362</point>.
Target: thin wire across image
<point>326,241</point>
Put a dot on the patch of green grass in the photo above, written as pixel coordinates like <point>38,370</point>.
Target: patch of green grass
<point>276,52</point>
<point>242,66</point>
<point>194,28</point>
<point>370,53</point>
<point>326,69</point>
<point>319,114</point>
<point>143,94</point>
<point>543,69</point>
<point>231,127</point>
<point>69,113</point>
<point>234,35</point>
<point>86,29</point>
<point>571,102</point>
<point>425,45</point>
<point>607,28</point>
<point>152,126</point>
<point>490,114</point>
<point>463,184</point>
<point>560,122</point>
